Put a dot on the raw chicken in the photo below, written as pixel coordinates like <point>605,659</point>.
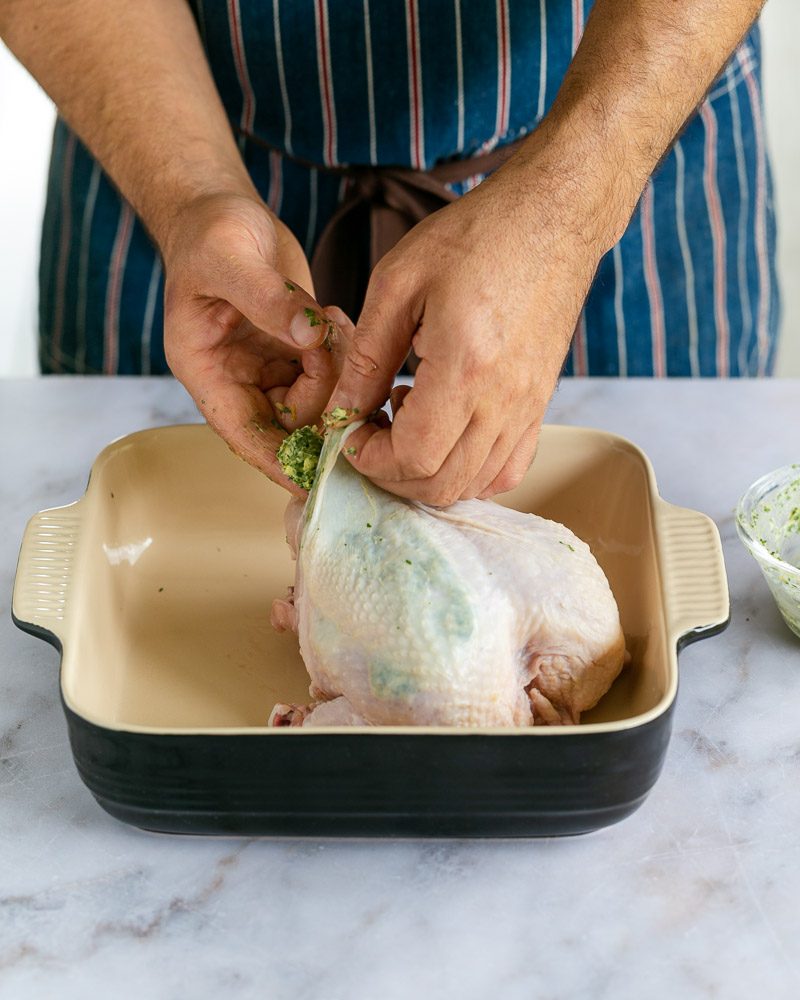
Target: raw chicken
<point>474,615</point>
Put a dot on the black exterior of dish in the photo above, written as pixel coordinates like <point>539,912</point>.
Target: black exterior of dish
<point>363,785</point>
<point>373,784</point>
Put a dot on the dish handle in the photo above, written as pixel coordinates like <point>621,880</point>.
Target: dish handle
<point>45,571</point>
<point>693,573</point>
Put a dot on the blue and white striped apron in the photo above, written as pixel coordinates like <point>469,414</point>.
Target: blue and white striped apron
<point>689,290</point>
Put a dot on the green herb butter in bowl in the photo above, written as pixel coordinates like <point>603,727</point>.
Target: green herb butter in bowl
<point>768,521</point>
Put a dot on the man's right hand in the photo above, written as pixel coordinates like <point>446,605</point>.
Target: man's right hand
<point>242,331</point>
<point>132,80</point>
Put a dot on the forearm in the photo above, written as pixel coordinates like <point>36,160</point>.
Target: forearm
<point>132,80</point>
<point>641,69</point>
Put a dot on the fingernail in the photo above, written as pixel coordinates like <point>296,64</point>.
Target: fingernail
<point>306,328</point>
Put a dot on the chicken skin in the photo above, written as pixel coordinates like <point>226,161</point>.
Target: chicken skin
<point>475,615</point>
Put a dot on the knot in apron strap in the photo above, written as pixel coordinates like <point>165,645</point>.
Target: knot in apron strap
<point>380,206</point>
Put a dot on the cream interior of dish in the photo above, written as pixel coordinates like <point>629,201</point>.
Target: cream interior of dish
<point>182,551</point>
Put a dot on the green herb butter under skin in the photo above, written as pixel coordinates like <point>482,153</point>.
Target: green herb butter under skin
<point>299,454</point>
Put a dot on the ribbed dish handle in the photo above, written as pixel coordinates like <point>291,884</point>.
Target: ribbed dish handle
<point>45,569</point>
<point>693,572</point>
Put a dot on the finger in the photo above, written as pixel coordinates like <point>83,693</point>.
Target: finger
<point>507,443</point>
<point>343,322</point>
<point>459,468</point>
<point>243,417</point>
<point>300,399</point>
<point>514,470</point>
<point>434,415</point>
<point>279,372</point>
<point>275,304</point>
<point>380,342</point>
<point>340,337</point>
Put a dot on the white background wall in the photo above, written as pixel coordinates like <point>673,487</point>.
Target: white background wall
<point>26,122</point>
<point>781,34</point>
<point>26,118</point>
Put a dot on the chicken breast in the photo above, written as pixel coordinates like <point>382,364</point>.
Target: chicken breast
<point>473,615</point>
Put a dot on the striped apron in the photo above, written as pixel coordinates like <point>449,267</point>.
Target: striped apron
<point>310,86</point>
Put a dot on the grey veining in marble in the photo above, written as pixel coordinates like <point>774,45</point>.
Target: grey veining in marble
<point>696,895</point>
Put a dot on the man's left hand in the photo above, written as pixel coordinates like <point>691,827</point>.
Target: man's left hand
<point>488,292</point>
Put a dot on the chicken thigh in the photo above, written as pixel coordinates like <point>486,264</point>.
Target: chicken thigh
<point>473,615</point>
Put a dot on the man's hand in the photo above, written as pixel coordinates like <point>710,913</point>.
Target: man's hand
<point>488,291</point>
<point>133,81</point>
<point>255,350</point>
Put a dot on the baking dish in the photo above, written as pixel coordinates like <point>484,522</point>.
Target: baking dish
<point>156,587</point>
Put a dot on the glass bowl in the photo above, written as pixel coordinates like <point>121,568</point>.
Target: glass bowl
<point>768,522</point>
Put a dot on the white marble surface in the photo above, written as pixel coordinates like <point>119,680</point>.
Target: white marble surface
<point>696,895</point>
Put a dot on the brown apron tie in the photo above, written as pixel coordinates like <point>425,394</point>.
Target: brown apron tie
<point>381,205</point>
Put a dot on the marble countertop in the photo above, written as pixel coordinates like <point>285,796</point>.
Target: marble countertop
<point>695,895</point>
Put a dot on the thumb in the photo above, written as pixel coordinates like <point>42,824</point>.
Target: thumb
<point>380,343</point>
<point>273,303</point>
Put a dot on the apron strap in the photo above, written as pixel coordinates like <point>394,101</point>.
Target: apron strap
<point>380,206</point>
